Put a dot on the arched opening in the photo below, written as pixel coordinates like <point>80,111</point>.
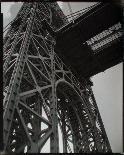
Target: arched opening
<point>73,119</point>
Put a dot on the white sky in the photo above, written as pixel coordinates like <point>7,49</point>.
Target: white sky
<point>107,86</point>
<point>6,9</point>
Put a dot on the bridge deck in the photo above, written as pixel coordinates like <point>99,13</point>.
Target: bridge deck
<point>73,49</point>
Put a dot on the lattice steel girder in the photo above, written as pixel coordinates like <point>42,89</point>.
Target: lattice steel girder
<point>40,92</point>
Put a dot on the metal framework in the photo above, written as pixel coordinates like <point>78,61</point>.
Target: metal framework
<point>40,92</point>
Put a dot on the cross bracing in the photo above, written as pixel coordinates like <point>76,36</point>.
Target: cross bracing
<point>37,80</point>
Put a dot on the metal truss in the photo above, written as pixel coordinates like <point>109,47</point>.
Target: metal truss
<point>40,93</point>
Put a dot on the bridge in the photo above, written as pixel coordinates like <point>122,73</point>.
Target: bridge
<point>48,62</point>
<point>93,41</point>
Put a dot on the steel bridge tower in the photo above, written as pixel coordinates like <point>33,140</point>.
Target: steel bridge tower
<point>41,92</point>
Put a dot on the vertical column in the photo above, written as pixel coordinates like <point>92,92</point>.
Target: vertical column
<point>5,66</point>
<point>64,134</point>
<point>54,143</point>
<point>107,147</point>
<point>12,97</point>
<point>101,124</point>
<point>36,122</point>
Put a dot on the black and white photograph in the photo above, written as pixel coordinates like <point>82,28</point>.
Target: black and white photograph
<point>62,77</point>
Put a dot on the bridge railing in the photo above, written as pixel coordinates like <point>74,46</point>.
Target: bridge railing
<point>105,38</point>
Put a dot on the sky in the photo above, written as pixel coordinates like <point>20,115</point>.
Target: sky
<point>107,85</point>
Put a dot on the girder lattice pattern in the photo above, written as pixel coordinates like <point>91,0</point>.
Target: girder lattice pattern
<point>40,92</point>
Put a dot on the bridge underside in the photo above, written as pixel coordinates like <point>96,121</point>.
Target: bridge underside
<point>72,41</point>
